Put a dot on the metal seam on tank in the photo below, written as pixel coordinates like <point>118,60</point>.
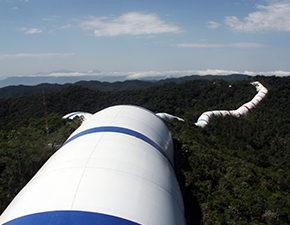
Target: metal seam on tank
<point>84,170</point>
<point>109,169</point>
<point>163,124</point>
<point>121,130</point>
<point>181,208</point>
<point>156,132</point>
<point>139,107</point>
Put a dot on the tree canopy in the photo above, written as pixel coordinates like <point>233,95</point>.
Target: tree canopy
<point>233,171</point>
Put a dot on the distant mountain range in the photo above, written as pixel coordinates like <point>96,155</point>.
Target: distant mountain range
<point>51,84</point>
<point>35,80</point>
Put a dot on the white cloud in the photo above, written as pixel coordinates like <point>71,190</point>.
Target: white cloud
<point>28,55</point>
<point>279,73</point>
<point>232,45</point>
<point>50,18</point>
<point>15,1</point>
<point>66,26</point>
<point>132,23</point>
<point>33,31</point>
<point>180,73</point>
<point>275,16</point>
<point>61,74</point>
<point>29,31</point>
<point>51,32</point>
<point>213,25</point>
<point>21,28</point>
<point>166,74</point>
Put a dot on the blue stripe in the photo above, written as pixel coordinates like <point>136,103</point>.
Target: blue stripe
<point>73,114</point>
<point>69,218</point>
<point>122,131</point>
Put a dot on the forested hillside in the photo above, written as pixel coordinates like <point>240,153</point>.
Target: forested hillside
<point>233,171</point>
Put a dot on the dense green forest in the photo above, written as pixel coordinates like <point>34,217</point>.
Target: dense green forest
<point>233,171</point>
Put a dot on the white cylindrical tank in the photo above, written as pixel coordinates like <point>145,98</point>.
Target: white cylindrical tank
<point>116,168</point>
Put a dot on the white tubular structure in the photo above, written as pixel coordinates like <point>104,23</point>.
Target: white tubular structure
<point>116,168</point>
<point>72,115</point>
<point>204,119</point>
<point>166,116</point>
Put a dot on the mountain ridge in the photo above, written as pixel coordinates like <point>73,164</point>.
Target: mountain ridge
<point>15,91</point>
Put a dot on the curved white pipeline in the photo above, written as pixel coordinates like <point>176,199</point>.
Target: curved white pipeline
<point>84,115</point>
<point>166,116</point>
<point>204,119</point>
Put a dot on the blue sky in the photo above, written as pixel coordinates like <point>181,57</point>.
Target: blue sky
<point>144,38</point>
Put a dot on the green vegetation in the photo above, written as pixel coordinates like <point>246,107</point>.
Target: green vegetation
<point>234,171</point>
